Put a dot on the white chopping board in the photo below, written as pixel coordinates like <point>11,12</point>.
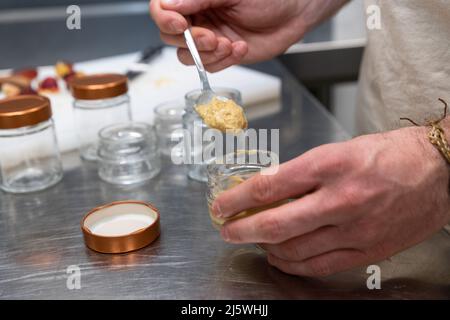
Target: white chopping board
<point>164,79</point>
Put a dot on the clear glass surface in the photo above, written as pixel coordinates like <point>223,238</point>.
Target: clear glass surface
<point>93,115</point>
<point>128,153</point>
<point>168,122</point>
<point>196,128</point>
<point>29,158</point>
<point>233,169</point>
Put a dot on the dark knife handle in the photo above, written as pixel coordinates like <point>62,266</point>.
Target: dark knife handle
<point>147,56</point>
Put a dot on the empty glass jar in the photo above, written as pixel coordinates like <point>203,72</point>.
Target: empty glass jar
<point>195,147</point>
<point>100,100</point>
<point>128,153</point>
<point>29,156</point>
<point>168,125</point>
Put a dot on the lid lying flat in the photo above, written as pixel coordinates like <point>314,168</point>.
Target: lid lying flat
<point>98,86</point>
<point>23,111</point>
<point>121,226</point>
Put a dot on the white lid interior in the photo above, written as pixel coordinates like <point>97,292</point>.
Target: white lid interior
<point>120,219</point>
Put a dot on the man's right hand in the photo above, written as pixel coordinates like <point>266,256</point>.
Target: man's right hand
<point>229,32</point>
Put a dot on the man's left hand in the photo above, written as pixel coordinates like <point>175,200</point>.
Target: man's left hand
<point>357,202</point>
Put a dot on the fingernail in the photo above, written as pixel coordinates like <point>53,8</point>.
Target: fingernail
<point>171,2</point>
<point>221,48</point>
<point>202,43</point>
<point>217,210</point>
<point>224,234</point>
<point>177,26</point>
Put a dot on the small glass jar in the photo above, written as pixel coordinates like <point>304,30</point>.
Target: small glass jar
<point>196,128</point>
<point>100,100</point>
<point>233,169</point>
<point>168,125</point>
<point>29,157</point>
<point>128,153</point>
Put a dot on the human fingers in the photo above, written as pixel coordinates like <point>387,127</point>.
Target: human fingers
<point>294,178</point>
<point>205,39</point>
<point>322,265</point>
<point>169,22</point>
<point>239,51</point>
<point>188,7</point>
<point>312,244</point>
<point>223,50</point>
<point>285,222</point>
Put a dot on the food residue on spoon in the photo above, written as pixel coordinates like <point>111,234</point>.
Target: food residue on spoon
<point>224,115</point>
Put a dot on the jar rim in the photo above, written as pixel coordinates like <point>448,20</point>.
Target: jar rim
<point>174,104</point>
<point>146,129</point>
<point>189,95</point>
<point>225,163</point>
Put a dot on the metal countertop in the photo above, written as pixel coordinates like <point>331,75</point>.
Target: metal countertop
<point>40,236</point>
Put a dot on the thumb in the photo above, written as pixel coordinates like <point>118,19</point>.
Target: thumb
<point>188,7</point>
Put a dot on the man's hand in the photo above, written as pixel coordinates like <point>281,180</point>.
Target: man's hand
<point>358,202</point>
<point>229,32</point>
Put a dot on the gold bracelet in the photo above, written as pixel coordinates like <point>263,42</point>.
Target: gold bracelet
<point>438,139</point>
<point>437,133</point>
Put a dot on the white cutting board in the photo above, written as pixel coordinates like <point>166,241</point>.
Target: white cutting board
<point>164,79</point>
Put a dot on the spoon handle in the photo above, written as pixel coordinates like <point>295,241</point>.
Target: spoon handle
<point>198,61</point>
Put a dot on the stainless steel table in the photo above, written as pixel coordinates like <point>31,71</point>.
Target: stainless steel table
<point>40,237</point>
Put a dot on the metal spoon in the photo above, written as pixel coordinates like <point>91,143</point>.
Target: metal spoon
<point>207,93</point>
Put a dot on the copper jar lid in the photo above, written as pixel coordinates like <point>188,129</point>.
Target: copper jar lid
<point>99,86</point>
<point>23,111</point>
<point>121,226</point>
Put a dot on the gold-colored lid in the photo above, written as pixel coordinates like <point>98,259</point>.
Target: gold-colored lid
<point>99,86</point>
<point>121,226</point>
<point>23,111</point>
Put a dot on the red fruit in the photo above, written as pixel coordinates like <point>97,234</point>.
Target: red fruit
<point>29,73</point>
<point>49,84</point>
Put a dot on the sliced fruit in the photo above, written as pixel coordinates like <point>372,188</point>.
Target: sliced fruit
<point>11,89</point>
<point>29,73</point>
<point>49,84</point>
<point>64,68</point>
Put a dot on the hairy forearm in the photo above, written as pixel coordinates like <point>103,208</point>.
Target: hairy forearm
<point>317,11</point>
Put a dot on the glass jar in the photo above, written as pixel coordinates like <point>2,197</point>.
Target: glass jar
<point>194,125</point>
<point>29,157</point>
<point>128,153</point>
<point>100,100</point>
<point>233,169</point>
<point>168,125</point>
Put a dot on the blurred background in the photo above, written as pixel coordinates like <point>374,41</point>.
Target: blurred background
<point>34,32</point>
